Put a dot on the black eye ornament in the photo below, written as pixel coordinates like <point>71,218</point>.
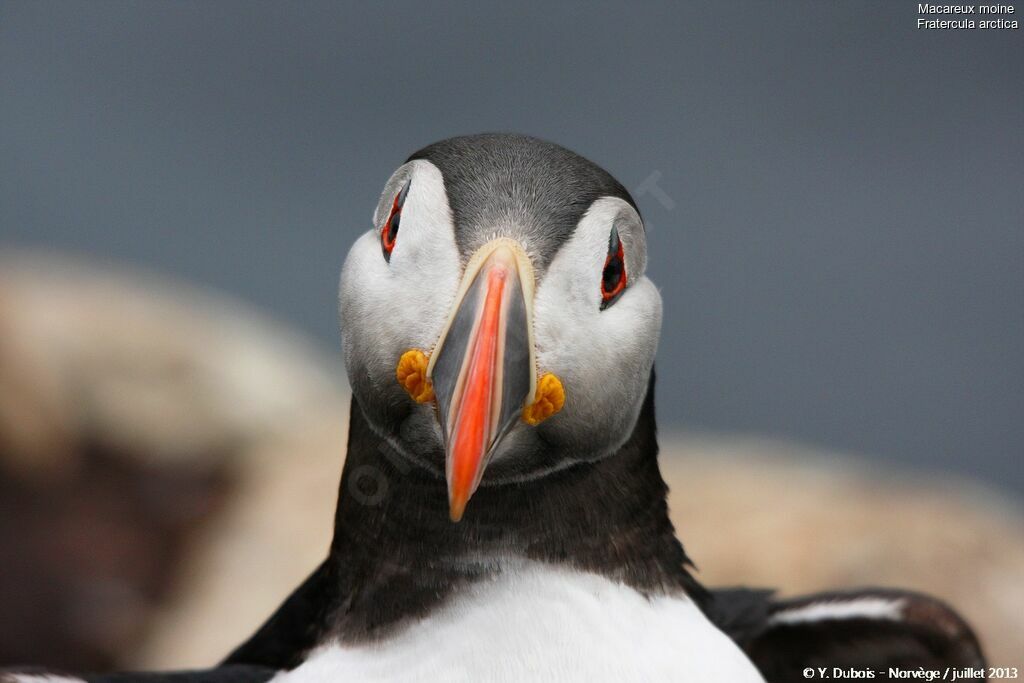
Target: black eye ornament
<point>389,231</point>
<point>613,278</point>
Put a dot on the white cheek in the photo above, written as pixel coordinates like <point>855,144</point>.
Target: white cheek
<point>421,287</point>
<point>388,307</point>
<point>603,358</point>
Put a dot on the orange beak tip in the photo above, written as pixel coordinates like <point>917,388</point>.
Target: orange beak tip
<point>457,508</point>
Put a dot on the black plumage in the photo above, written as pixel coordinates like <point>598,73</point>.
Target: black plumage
<point>927,634</point>
<point>397,557</point>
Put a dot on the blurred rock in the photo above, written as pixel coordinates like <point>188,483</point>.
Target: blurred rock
<point>130,409</point>
<point>142,382</point>
<point>141,364</point>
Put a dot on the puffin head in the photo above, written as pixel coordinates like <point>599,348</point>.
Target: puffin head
<point>496,318</point>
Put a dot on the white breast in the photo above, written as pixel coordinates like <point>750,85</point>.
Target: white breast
<point>543,623</point>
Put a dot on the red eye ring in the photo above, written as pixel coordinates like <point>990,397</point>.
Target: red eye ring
<point>613,277</point>
<point>389,231</point>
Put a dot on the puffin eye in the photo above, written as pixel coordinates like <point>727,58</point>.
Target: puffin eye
<point>613,278</point>
<point>389,231</point>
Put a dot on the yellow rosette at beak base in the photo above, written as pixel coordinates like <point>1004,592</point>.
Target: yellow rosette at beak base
<point>549,400</point>
<point>412,375</point>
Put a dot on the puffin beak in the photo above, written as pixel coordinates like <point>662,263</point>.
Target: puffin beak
<point>483,368</point>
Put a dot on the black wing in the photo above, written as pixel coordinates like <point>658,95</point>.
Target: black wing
<point>293,629</point>
<point>863,629</point>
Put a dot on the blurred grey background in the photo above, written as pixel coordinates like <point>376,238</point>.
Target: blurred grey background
<point>837,229</point>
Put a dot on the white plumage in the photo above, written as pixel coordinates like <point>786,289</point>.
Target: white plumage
<point>535,622</point>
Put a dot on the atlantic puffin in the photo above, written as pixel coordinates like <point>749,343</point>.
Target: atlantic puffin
<point>501,514</point>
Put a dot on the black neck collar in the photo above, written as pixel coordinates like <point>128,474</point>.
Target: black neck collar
<point>395,555</point>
